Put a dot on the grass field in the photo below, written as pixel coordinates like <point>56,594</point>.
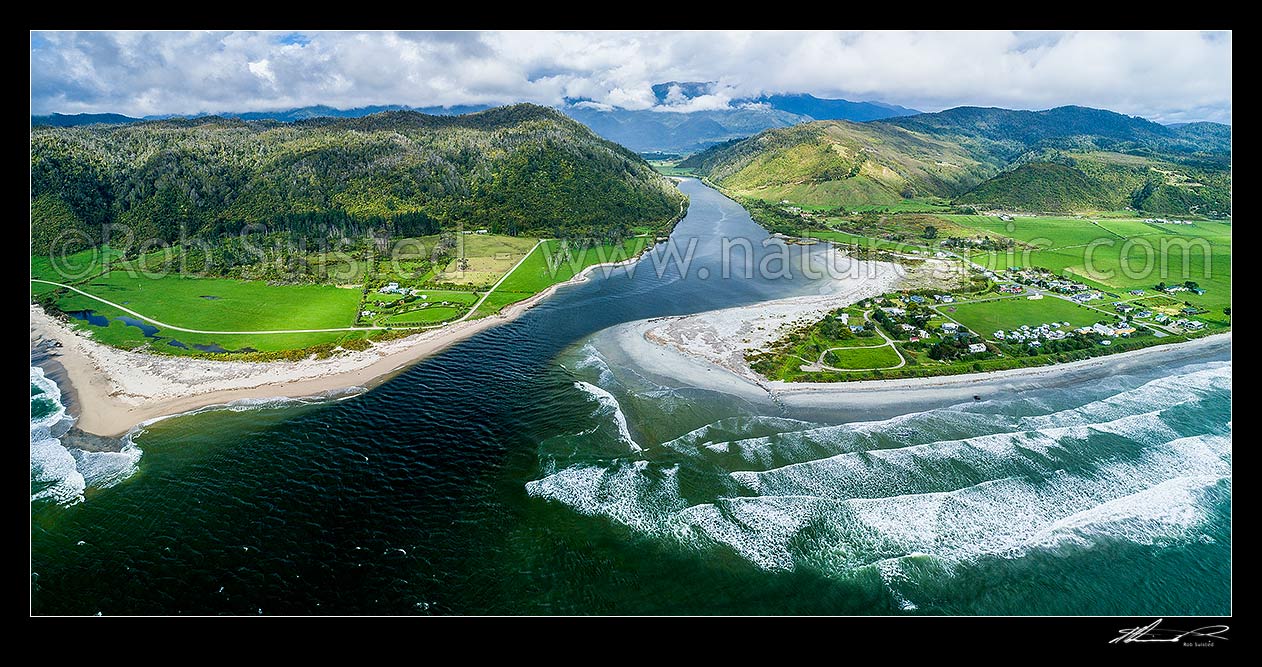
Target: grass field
<point>70,269</point>
<point>987,317</point>
<point>1123,254</point>
<point>229,305</point>
<point>216,304</point>
<point>864,241</point>
<point>555,262</point>
<point>862,358</point>
<point>427,315</point>
<point>489,257</point>
<point>668,168</point>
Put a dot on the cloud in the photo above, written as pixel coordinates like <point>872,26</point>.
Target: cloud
<point>1166,76</point>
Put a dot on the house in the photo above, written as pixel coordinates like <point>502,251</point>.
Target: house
<point>1011,289</point>
<point>391,288</point>
<point>999,335</point>
<point>1034,297</point>
<point>916,298</point>
<point>1106,342</point>
<point>481,231</point>
<point>1137,292</point>
<point>856,328</point>
<point>895,311</point>
<point>944,298</point>
<point>1123,307</point>
<point>1124,331</point>
<point>1035,343</point>
<point>950,326</point>
<point>1161,318</point>
<point>922,333</point>
<point>977,347</point>
<point>1103,329</point>
<point>906,327</point>
<point>845,318</point>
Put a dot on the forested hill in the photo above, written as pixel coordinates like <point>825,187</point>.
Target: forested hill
<point>1063,159</point>
<point>521,169</point>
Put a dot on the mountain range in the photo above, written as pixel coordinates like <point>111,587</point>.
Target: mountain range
<point>1063,159</point>
<point>659,129</point>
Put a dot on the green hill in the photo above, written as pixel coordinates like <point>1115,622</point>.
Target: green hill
<point>1064,159</point>
<point>840,161</point>
<point>1042,186</point>
<point>515,170</point>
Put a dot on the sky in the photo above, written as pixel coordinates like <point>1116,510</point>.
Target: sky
<point>1164,76</point>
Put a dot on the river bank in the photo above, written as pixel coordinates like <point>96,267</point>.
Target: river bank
<point>113,390</point>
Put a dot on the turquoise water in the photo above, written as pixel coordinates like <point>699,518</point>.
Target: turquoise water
<point>533,470</point>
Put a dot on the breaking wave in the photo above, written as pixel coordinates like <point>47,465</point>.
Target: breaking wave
<point>1070,469</point>
<point>61,474</point>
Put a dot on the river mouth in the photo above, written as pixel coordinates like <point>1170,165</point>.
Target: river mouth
<point>545,467</point>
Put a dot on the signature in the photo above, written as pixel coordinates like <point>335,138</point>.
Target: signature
<point>1153,632</point>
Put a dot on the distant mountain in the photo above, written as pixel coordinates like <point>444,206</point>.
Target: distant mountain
<point>1006,133</point>
<point>1063,159</point>
<point>660,129</point>
<point>284,116</point>
<point>648,130</point>
<point>322,111</point>
<point>516,170</point>
<point>72,120</point>
<point>818,108</point>
<point>674,132</point>
<point>683,90</point>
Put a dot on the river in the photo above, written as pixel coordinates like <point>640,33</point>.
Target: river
<point>536,469</point>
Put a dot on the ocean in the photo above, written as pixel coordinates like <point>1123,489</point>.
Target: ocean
<point>540,468</point>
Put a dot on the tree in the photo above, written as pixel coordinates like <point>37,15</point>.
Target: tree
<point>931,232</point>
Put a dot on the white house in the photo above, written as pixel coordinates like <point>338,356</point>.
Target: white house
<point>950,326</point>
<point>977,347</point>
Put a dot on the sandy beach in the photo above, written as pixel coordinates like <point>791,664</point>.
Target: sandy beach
<point>113,390</point>
<point>707,350</point>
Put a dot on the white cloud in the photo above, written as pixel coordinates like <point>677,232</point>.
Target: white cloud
<point>1166,76</point>
<point>263,70</point>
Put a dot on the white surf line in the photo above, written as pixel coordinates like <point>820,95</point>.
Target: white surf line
<point>200,331</point>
